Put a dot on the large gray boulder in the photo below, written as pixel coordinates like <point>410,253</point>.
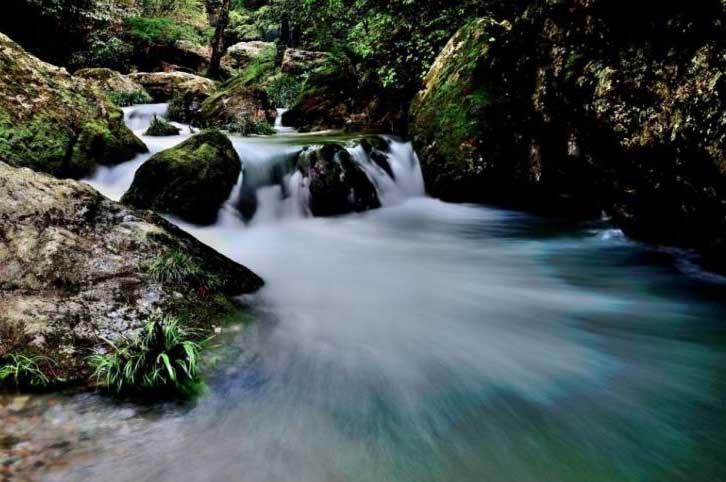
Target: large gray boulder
<point>74,270</point>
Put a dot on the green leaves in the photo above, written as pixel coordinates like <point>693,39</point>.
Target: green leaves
<point>161,361</point>
<point>20,370</point>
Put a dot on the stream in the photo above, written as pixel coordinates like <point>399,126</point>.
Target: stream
<point>420,342</point>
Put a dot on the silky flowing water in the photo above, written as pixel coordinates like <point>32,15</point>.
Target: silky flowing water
<point>426,341</point>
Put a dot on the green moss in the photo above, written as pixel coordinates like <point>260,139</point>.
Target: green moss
<point>39,144</point>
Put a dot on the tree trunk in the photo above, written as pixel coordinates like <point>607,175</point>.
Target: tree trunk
<point>218,40</point>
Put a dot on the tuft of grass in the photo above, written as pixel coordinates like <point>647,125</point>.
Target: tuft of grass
<point>162,360</point>
<point>125,99</point>
<point>177,268</point>
<point>20,370</point>
<point>160,127</point>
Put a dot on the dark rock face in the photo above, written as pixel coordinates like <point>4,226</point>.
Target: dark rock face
<point>336,97</point>
<point>577,107</point>
<point>74,270</point>
<point>191,180</point>
<point>337,184</point>
<point>53,122</point>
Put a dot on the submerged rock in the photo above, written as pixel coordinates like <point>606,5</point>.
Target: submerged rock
<point>160,127</point>
<point>53,122</point>
<point>336,183</point>
<point>74,270</point>
<point>162,86</point>
<point>191,180</point>
<point>578,109</point>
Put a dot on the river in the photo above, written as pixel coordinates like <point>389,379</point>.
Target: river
<point>425,341</point>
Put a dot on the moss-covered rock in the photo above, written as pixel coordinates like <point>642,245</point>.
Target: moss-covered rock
<point>77,269</point>
<point>236,103</point>
<point>336,183</point>
<point>53,122</point>
<point>162,86</point>
<point>119,88</point>
<point>160,127</point>
<point>579,109</point>
<point>191,180</point>
<point>240,55</point>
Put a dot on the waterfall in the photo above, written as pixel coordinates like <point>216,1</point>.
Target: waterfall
<point>270,187</point>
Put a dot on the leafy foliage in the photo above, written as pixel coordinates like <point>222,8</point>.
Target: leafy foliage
<point>163,31</point>
<point>125,99</point>
<point>161,360</point>
<point>283,89</point>
<point>20,370</point>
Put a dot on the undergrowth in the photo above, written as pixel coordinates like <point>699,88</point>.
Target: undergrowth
<point>161,361</point>
<point>26,371</point>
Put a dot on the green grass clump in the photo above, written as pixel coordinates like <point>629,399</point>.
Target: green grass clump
<point>176,268</point>
<point>21,371</point>
<point>125,99</point>
<point>161,127</point>
<point>162,360</point>
<point>248,126</point>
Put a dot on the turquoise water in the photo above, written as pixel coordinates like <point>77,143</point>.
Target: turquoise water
<point>433,342</point>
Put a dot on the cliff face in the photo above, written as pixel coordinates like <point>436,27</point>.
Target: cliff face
<point>586,105</point>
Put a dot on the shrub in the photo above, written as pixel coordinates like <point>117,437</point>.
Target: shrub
<point>160,127</point>
<point>19,370</point>
<point>283,89</point>
<point>103,51</point>
<point>248,126</point>
<point>163,31</point>
<point>162,360</point>
<point>125,99</point>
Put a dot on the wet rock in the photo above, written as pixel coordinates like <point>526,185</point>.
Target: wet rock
<point>159,127</point>
<point>336,183</point>
<point>191,180</point>
<point>577,109</point>
<point>53,122</point>
<point>236,103</point>
<point>162,86</point>
<point>74,270</point>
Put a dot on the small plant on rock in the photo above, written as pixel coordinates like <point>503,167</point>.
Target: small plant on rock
<point>248,126</point>
<point>161,127</point>
<point>177,268</point>
<point>125,99</point>
<point>162,360</point>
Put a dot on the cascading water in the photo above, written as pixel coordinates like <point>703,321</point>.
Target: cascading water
<point>270,187</point>
<point>425,342</point>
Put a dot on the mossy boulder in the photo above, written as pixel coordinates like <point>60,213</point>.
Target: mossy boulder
<point>160,127</point>
<point>296,61</point>
<point>75,271</point>
<point>53,122</point>
<point>240,55</point>
<point>336,183</point>
<point>191,180</point>
<point>115,85</point>
<point>236,103</point>
<point>162,86</point>
<point>577,109</point>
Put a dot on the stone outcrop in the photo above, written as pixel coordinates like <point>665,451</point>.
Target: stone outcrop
<point>74,270</point>
<point>242,54</point>
<point>295,61</point>
<point>162,86</point>
<point>191,180</point>
<point>53,122</point>
<point>110,81</point>
<point>236,103</point>
<point>577,108</point>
